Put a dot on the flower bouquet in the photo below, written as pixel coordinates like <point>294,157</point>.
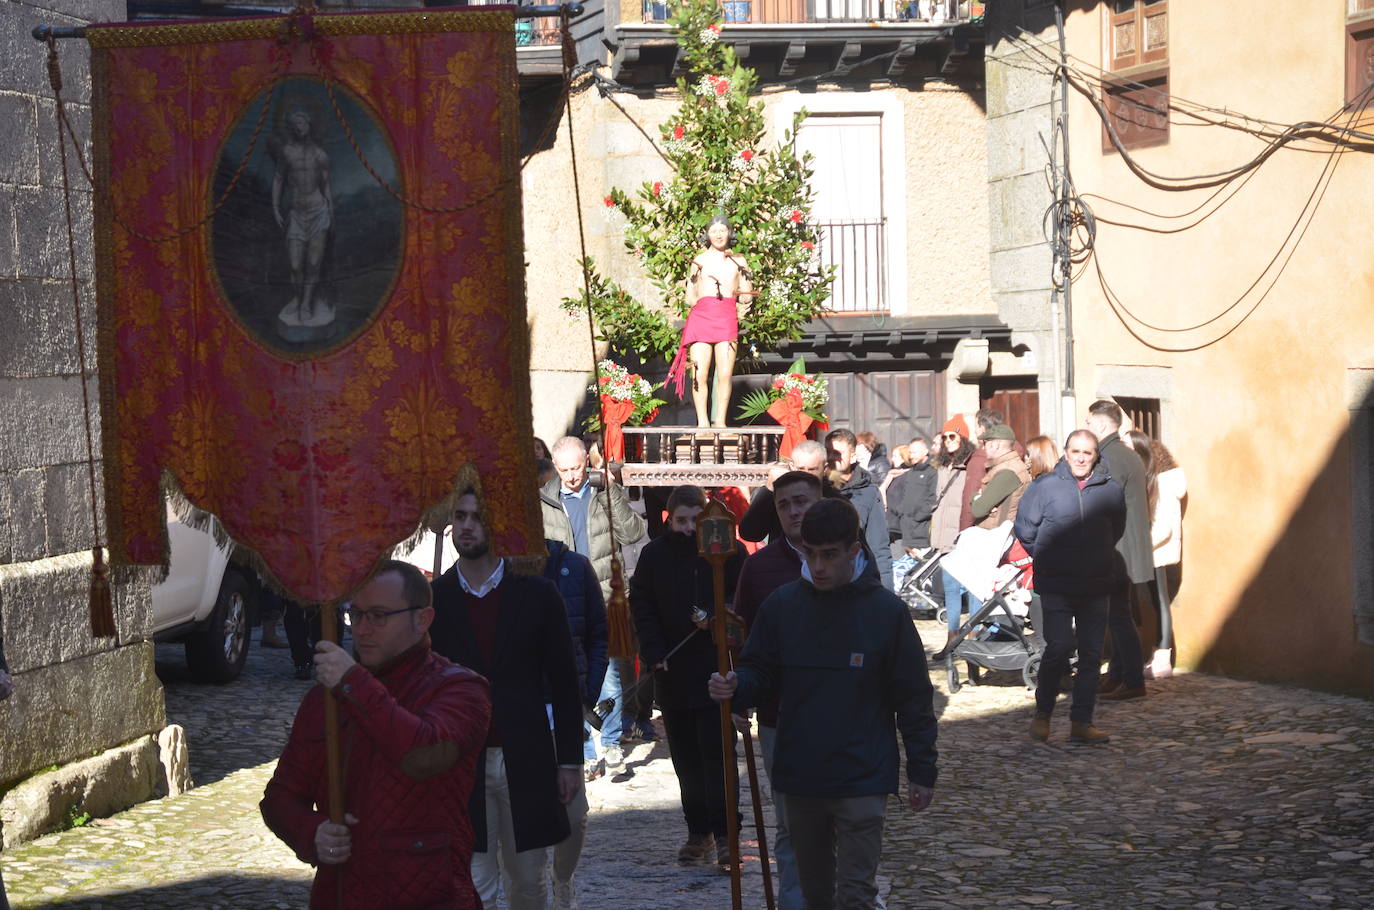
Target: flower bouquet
<point>627,400</point>
<point>795,399</point>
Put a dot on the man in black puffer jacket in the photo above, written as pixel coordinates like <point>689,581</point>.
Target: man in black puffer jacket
<point>572,574</point>
<point>1069,521</point>
<point>670,580</point>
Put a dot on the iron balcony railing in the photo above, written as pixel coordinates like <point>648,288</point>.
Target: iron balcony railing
<point>858,250</point>
<point>783,12</point>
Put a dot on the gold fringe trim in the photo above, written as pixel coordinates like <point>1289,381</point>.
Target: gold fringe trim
<point>327,25</point>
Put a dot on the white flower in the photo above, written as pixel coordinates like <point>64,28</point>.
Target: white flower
<point>777,289</point>
<point>709,36</point>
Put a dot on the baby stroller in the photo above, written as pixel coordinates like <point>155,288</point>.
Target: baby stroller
<point>916,584</point>
<point>1000,635</point>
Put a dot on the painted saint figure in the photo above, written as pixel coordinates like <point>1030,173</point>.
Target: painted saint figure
<point>718,278</point>
<point>303,171</point>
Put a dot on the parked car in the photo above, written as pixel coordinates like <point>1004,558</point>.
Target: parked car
<point>206,601</point>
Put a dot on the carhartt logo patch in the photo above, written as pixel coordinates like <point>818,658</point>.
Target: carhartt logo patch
<point>856,659</point>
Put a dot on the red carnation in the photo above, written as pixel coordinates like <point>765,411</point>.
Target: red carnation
<point>747,154</point>
<point>808,245</point>
<point>678,131</point>
<point>610,203</point>
<point>795,217</point>
<point>658,188</point>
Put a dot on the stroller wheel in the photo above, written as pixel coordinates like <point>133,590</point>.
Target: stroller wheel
<point>1030,672</point>
<point>975,674</point>
<point>952,674</point>
<point>943,616</point>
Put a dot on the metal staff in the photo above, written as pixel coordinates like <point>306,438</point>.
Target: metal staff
<point>716,544</point>
<point>596,716</point>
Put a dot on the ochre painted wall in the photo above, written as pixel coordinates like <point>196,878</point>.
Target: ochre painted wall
<point>1258,419</point>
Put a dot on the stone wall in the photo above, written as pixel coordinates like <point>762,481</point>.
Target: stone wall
<point>1019,131</point>
<point>74,696</point>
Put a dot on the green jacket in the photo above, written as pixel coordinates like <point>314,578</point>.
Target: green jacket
<point>629,527</point>
<point>849,673</point>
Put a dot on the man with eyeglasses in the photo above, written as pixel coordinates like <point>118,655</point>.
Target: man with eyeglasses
<point>514,631</point>
<point>412,726</point>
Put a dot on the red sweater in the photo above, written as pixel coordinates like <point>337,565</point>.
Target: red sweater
<point>763,573</point>
<point>410,739</point>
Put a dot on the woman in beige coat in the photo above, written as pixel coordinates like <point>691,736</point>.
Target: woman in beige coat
<point>1166,487</point>
<point>952,450</point>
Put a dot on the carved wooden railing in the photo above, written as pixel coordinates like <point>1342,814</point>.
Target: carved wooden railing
<point>706,456</point>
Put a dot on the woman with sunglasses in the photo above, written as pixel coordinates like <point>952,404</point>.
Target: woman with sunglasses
<point>952,451</point>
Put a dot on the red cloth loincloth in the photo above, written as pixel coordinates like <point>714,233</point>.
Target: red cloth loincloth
<point>712,319</point>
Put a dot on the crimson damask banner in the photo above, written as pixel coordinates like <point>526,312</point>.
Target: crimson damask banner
<point>310,281</point>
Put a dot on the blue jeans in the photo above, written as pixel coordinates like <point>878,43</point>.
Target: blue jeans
<point>614,723</point>
<point>1065,618</point>
<point>956,596</point>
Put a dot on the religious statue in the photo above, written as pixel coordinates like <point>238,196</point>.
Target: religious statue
<point>303,170</point>
<point>718,278</point>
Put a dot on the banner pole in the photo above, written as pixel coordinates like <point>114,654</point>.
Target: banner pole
<point>329,629</point>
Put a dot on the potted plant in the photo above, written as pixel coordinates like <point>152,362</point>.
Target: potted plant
<point>795,399</point>
<point>627,400</point>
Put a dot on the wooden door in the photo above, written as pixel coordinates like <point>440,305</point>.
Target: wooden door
<point>894,405</point>
<point>1019,400</point>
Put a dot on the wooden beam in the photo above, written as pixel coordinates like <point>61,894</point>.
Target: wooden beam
<point>897,66</point>
<point>954,56</point>
<point>792,58</point>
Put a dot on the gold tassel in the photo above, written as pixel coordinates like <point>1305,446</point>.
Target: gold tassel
<point>619,631</point>
<point>102,603</point>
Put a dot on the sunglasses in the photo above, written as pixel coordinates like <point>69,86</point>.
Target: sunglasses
<point>949,435</point>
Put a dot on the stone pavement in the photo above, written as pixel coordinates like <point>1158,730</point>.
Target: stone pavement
<point>1213,793</point>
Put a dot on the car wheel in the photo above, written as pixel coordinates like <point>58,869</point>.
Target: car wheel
<point>217,653</point>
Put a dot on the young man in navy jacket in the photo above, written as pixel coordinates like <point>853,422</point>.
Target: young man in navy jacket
<point>844,660</point>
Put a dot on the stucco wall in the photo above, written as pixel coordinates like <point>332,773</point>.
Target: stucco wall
<point>935,163</point>
<point>73,694</point>
<point>1259,411</point>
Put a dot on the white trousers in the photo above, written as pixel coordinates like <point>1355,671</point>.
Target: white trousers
<point>521,874</point>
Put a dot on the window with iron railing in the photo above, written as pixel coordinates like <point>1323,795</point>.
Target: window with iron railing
<point>857,249</point>
<point>782,12</point>
<point>846,152</point>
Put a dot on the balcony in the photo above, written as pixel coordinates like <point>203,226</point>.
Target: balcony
<point>848,42</point>
<point>778,12</point>
<point>858,250</point>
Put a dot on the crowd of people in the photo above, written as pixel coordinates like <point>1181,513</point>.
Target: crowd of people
<point>475,706</point>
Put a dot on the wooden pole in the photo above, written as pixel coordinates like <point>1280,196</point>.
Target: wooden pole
<point>726,728</point>
<point>716,543</point>
<point>759,826</point>
<point>329,628</point>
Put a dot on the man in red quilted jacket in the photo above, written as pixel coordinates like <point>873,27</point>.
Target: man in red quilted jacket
<point>412,726</point>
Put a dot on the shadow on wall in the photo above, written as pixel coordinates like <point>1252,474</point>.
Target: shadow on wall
<point>1299,619</point>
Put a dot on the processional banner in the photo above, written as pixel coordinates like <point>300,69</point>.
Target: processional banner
<point>310,284</point>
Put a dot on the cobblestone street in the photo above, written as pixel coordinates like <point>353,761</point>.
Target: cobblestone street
<point>1213,793</point>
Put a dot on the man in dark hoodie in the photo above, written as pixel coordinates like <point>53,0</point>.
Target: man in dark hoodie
<point>671,580</point>
<point>847,666</point>
<point>856,485</point>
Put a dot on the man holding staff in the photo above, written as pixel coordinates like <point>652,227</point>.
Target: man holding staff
<point>413,727</point>
<point>670,585</point>
<point>842,656</point>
